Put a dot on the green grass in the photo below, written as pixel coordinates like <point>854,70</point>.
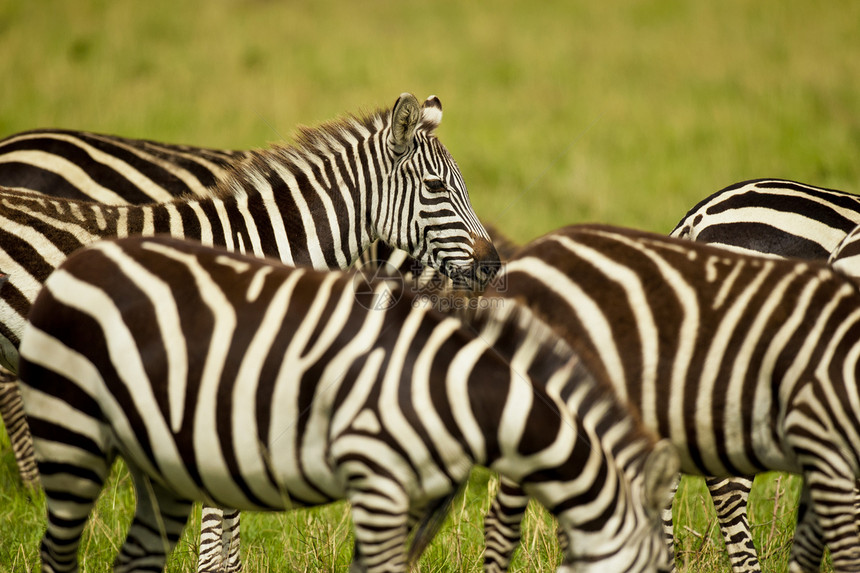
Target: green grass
<point>625,112</point>
<point>319,539</point>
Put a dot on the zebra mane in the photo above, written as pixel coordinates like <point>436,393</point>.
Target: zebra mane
<point>309,143</point>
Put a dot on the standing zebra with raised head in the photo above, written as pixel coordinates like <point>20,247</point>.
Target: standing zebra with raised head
<point>320,203</point>
<point>747,364</point>
<point>773,217</point>
<point>323,399</point>
<point>110,169</point>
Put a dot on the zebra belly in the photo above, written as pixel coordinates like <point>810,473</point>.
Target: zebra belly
<point>256,480</point>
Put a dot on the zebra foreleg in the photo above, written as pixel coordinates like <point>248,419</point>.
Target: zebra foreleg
<point>159,518</point>
<point>12,414</point>
<point>219,541</point>
<point>730,497</point>
<point>503,526</point>
<point>668,527</point>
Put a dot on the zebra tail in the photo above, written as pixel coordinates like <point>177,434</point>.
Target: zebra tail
<point>12,414</point>
<point>430,524</point>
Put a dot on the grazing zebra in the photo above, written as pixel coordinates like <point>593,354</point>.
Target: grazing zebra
<point>110,169</point>
<point>269,387</point>
<point>773,217</point>
<point>778,218</point>
<point>320,202</point>
<point>748,364</point>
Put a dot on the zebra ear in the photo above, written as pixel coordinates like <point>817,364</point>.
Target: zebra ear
<point>661,476</point>
<point>404,120</point>
<point>431,113</point>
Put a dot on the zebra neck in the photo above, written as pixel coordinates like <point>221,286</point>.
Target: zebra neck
<point>315,211</point>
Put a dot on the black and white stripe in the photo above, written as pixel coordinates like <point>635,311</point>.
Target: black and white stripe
<point>773,217</point>
<point>779,218</point>
<point>845,258</point>
<point>320,203</point>
<point>747,364</point>
<point>262,383</point>
<point>110,169</point>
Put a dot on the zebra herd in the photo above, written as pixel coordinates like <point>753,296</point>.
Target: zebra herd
<point>190,310</point>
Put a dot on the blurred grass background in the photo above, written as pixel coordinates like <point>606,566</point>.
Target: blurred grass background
<point>626,112</point>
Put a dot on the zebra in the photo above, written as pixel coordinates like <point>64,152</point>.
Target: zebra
<point>319,202</point>
<point>772,217</point>
<point>115,170</point>
<point>110,169</point>
<point>746,363</point>
<point>268,387</point>
<point>845,258</point>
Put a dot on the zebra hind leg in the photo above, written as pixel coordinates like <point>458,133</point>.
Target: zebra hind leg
<point>159,518</point>
<point>503,526</point>
<point>71,491</point>
<point>730,497</point>
<point>828,516</point>
<point>807,551</point>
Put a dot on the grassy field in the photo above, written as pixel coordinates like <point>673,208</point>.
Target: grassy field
<point>626,112</point>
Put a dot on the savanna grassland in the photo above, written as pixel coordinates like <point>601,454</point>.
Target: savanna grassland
<point>624,112</point>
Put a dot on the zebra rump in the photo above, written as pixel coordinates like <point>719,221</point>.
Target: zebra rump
<point>773,217</point>
<point>747,364</point>
<point>784,219</point>
<point>254,385</point>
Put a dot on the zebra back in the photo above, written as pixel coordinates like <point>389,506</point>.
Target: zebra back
<point>677,325</point>
<point>109,169</point>
<point>774,217</point>
<point>263,383</point>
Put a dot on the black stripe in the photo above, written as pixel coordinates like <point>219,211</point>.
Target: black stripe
<point>763,238</point>
<point>16,174</point>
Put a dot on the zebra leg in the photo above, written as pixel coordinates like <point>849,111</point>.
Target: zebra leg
<point>12,414</point>
<point>159,518</point>
<point>503,526</point>
<point>231,548</point>
<point>219,541</point>
<point>730,497</point>
<point>380,515</point>
<point>72,487</point>
<point>829,519</point>
<point>807,551</point>
<point>668,527</point>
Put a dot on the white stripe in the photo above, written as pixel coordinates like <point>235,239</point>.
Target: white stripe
<point>69,171</point>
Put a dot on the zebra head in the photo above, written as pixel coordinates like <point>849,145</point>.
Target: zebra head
<point>639,544</point>
<point>426,210</point>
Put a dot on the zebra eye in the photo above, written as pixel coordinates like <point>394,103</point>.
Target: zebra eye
<point>434,184</point>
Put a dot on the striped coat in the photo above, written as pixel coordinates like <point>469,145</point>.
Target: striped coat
<point>747,364</point>
<point>319,203</point>
<point>263,383</point>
